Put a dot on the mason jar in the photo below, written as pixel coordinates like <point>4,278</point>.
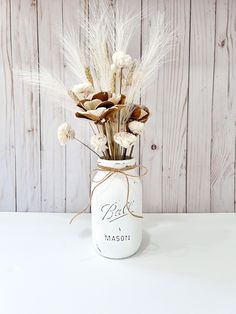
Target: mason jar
<point>116,220</point>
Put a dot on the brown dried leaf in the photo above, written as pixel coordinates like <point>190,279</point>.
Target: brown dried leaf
<point>140,114</point>
<point>103,96</point>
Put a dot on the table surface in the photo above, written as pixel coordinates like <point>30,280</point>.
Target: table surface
<point>186,264</point>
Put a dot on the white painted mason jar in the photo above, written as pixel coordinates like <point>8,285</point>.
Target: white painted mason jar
<point>115,232</point>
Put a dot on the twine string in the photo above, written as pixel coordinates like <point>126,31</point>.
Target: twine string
<point>111,171</point>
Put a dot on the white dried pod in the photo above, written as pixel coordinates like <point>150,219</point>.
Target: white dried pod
<point>98,142</point>
<point>136,127</point>
<point>65,133</point>
<point>125,139</point>
<point>121,60</point>
<point>84,88</point>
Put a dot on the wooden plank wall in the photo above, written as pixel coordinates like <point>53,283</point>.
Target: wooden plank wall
<point>189,142</point>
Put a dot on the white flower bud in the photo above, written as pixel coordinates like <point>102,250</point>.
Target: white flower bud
<point>136,127</point>
<point>84,88</point>
<point>125,139</point>
<point>65,133</point>
<point>99,142</point>
<point>121,60</point>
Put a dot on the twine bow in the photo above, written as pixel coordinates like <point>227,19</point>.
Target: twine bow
<point>111,171</point>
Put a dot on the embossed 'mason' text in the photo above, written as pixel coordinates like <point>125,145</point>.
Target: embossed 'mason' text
<point>117,238</point>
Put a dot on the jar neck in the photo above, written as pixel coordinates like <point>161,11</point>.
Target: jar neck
<point>117,164</point>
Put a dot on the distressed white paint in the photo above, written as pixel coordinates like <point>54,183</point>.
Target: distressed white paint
<point>192,99</point>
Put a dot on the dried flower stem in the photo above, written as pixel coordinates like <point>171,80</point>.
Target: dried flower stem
<point>90,124</point>
<point>109,140</point>
<point>105,133</point>
<point>131,152</point>
<point>86,146</point>
<point>121,76</point>
<point>113,83</point>
<point>124,153</point>
<point>121,72</point>
<point>114,145</point>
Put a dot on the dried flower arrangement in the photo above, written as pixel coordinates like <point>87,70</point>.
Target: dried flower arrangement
<point>109,81</point>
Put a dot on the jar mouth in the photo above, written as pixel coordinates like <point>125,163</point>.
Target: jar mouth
<point>116,163</point>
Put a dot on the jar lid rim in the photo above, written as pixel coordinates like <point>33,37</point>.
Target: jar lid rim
<point>110,162</point>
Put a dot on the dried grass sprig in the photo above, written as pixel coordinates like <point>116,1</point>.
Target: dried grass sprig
<point>156,48</point>
<point>89,75</point>
<point>43,80</point>
<point>75,55</point>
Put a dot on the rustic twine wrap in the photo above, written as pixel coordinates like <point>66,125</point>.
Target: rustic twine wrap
<point>111,171</point>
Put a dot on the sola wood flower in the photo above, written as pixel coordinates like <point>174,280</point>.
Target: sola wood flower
<point>80,91</point>
<point>121,60</point>
<point>140,114</point>
<point>125,139</point>
<point>98,142</point>
<point>65,133</point>
<point>136,127</point>
<point>100,106</point>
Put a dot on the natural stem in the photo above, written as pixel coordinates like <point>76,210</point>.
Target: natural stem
<point>108,135</point>
<point>86,146</point>
<point>90,124</point>
<point>121,72</point>
<point>124,153</point>
<point>131,151</point>
<point>105,133</point>
<point>120,94</point>
<point>113,83</point>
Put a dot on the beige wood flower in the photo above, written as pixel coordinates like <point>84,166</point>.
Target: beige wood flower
<point>125,139</point>
<point>80,91</point>
<point>65,133</point>
<point>140,114</point>
<point>100,107</point>
<point>136,127</point>
<point>99,143</point>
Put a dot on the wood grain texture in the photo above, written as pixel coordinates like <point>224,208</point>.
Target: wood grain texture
<point>165,149</point>
<point>223,118</point>
<point>27,115</point>
<point>174,102</point>
<point>202,43</point>
<point>151,142</point>
<point>77,156</point>
<point>189,141</point>
<point>52,114</point>
<point>134,49</point>
<point>7,136</point>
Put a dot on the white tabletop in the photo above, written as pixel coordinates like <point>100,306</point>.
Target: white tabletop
<point>187,264</point>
